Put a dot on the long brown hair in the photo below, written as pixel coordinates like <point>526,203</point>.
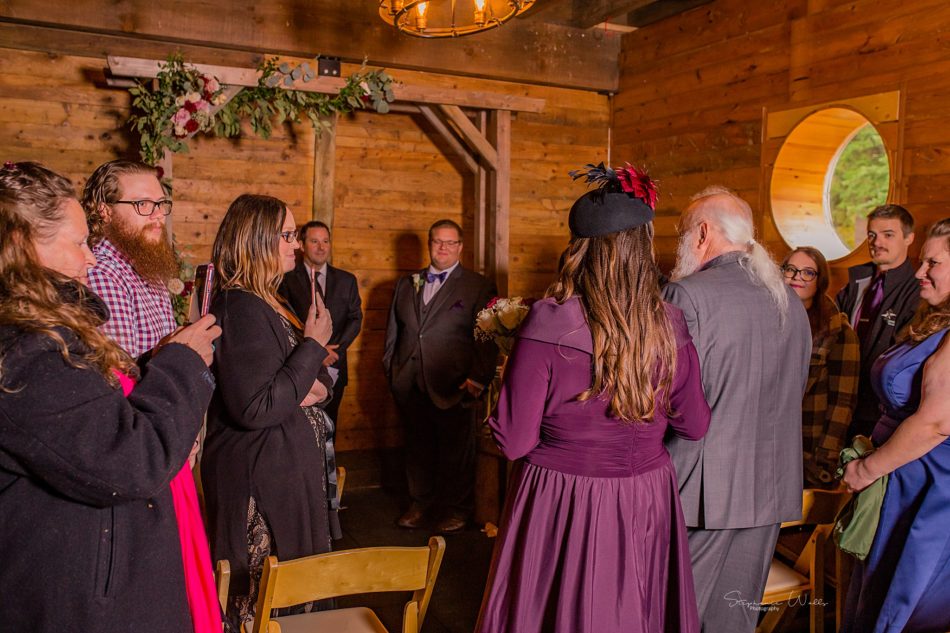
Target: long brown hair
<point>31,207</point>
<point>930,319</point>
<point>617,281</point>
<point>246,249</point>
<point>822,307</point>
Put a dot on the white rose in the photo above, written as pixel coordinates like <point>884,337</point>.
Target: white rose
<point>176,286</point>
<point>194,97</point>
<point>511,316</point>
<point>485,320</point>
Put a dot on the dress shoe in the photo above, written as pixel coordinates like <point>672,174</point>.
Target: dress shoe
<point>413,518</point>
<point>451,525</point>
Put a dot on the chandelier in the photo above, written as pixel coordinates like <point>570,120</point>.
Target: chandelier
<point>443,18</point>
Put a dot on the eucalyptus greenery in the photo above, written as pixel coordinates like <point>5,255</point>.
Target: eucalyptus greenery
<point>271,102</point>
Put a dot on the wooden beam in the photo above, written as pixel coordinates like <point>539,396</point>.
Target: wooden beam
<point>499,132</point>
<point>471,134</point>
<point>481,206</point>
<point>588,13</point>
<point>145,68</point>
<point>324,161</point>
<point>660,10</point>
<point>449,137</point>
<point>519,51</point>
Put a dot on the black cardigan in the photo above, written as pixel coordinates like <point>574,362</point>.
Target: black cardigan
<point>259,440</point>
<point>88,535</point>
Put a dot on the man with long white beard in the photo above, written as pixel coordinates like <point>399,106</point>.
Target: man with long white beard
<point>741,481</point>
<point>125,207</point>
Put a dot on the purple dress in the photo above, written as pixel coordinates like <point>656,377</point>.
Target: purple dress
<point>592,539</point>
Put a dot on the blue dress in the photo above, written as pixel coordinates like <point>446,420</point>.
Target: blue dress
<point>904,584</point>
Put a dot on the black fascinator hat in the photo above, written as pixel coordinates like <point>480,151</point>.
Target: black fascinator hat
<point>625,198</point>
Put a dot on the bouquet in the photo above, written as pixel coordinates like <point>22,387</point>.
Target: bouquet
<point>500,320</point>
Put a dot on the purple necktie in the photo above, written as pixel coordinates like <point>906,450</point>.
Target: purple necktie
<point>870,306</point>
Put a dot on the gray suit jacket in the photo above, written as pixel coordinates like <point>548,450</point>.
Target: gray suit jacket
<point>433,347</point>
<point>747,471</point>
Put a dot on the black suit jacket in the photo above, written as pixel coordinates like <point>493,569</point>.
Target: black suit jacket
<point>435,347</point>
<point>900,301</point>
<point>342,299</point>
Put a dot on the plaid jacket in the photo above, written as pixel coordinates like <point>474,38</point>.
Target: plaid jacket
<point>829,400</point>
<point>140,311</point>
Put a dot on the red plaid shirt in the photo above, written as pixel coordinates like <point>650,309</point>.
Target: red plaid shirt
<point>141,311</point>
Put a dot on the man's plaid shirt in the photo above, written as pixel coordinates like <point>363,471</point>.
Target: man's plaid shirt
<point>141,311</point>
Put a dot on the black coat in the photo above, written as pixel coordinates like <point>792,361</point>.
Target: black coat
<point>900,302</point>
<point>342,299</point>
<point>88,536</point>
<point>259,440</point>
<point>435,344</point>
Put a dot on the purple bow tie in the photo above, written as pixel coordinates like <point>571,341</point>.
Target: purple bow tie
<point>432,277</point>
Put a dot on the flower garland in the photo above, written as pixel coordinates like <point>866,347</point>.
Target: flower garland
<point>184,101</point>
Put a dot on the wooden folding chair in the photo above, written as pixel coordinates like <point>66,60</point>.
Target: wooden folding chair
<point>365,570</point>
<point>804,581</point>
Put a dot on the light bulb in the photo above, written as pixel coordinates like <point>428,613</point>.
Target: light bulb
<point>421,16</point>
<point>479,12</point>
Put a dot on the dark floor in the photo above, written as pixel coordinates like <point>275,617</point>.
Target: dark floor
<point>368,520</point>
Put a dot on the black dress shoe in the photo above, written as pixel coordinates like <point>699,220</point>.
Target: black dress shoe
<point>451,525</point>
<point>413,518</point>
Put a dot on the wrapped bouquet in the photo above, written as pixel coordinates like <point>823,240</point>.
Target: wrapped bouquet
<point>499,321</point>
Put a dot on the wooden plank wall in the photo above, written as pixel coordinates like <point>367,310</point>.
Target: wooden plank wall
<point>392,180</point>
<point>693,90</point>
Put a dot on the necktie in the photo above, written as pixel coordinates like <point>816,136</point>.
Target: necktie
<point>870,306</point>
<point>432,277</point>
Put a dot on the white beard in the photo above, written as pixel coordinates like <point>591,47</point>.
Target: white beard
<point>686,260</point>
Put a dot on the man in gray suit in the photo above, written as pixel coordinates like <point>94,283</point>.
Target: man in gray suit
<point>437,371</point>
<point>745,477</point>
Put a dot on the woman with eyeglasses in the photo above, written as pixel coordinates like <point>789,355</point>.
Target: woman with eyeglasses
<point>99,522</point>
<point>833,373</point>
<point>264,461</point>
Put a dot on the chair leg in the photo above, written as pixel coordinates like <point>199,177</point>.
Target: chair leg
<point>772,618</point>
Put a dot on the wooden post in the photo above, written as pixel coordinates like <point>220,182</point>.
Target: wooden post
<point>165,164</point>
<point>481,207</point>
<point>499,134</point>
<point>324,158</point>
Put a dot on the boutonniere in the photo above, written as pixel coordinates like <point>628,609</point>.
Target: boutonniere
<point>890,317</point>
<point>417,281</point>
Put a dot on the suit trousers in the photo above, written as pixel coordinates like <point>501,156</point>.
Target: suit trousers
<point>730,568</point>
<point>440,454</point>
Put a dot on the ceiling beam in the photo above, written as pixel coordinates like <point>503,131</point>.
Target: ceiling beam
<point>524,50</point>
<point>660,10</point>
<point>248,77</point>
<point>588,13</point>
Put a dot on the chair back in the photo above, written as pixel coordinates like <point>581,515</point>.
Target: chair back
<point>819,508</point>
<point>348,572</point>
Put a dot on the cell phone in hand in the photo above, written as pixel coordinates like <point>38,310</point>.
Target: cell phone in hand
<point>201,292</point>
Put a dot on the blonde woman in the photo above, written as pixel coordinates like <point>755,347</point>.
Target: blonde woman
<point>264,461</point>
<point>89,526</point>
<point>904,583</point>
<point>592,538</point>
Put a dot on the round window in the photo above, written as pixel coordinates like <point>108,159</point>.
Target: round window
<point>831,171</point>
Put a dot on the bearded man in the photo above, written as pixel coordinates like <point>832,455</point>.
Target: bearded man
<point>126,207</point>
<point>744,478</point>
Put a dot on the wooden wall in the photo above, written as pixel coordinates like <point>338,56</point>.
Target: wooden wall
<point>695,90</point>
<point>392,180</point>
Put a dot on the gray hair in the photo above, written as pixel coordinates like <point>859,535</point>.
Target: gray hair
<point>738,229</point>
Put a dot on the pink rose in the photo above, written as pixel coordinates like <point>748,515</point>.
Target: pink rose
<point>181,117</point>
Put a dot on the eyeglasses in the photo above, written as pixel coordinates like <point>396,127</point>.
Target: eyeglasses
<point>449,243</point>
<point>288,236</point>
<point>147,207</point>
<point>806,274</point>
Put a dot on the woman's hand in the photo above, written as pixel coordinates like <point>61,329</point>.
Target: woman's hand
<point>318,393</point>
<point>319,325</point>
<point>199,336</point>
<point>856,476</point>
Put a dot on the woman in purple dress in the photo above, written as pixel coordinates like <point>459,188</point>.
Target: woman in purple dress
<point>592,537</point>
